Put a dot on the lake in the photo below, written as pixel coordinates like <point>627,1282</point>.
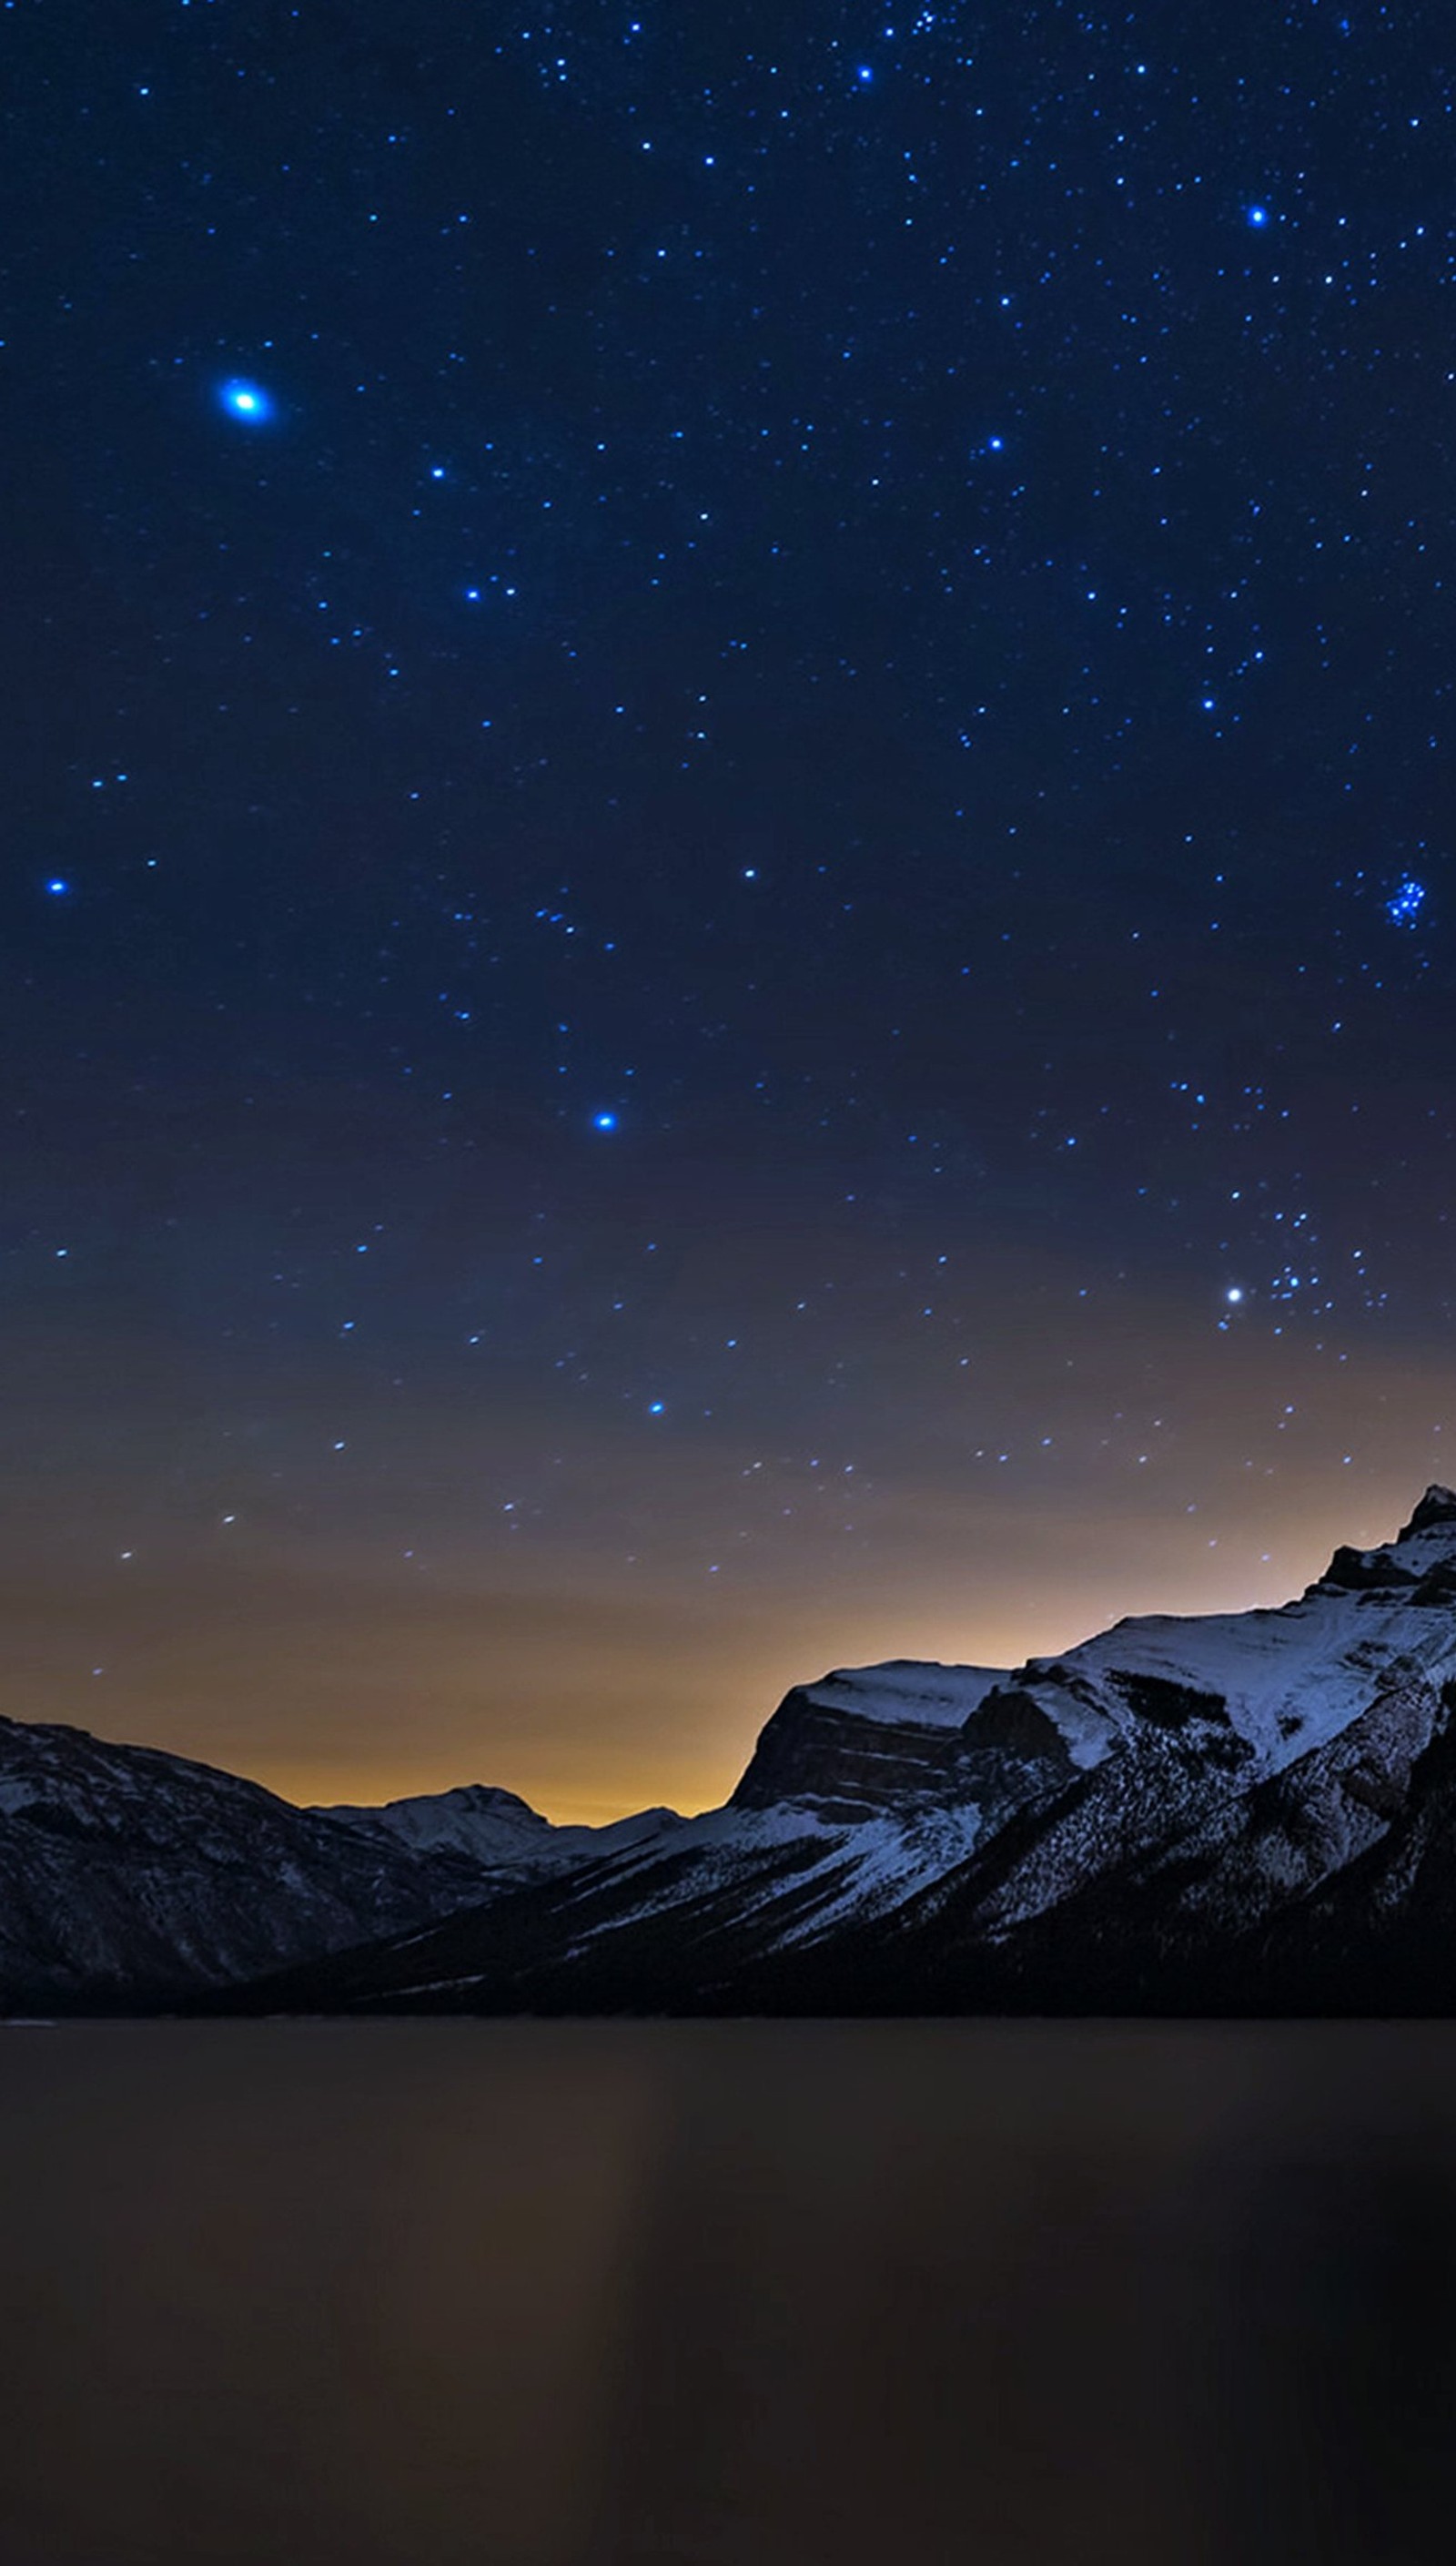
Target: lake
<point>452,2293</point>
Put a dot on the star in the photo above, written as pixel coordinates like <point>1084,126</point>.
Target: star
<point>246,401</point>
<point>604,1121</point>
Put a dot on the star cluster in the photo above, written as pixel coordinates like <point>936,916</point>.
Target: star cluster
<point>730,803</point>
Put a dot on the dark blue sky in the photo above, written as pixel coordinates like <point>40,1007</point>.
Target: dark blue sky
<point>726,905</point>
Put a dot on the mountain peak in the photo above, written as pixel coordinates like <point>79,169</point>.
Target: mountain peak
<point>1437,1506</point>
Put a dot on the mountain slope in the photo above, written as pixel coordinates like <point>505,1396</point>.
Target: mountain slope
<point>1243,1810</point>
<point>1248,1811</point>
<point>129,1876</point>
<point>124,1872</point>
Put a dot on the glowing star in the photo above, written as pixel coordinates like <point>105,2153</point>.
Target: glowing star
<point>1258,218</point>
<point>604,1121</point>
<point>57,888</point>
<point>1407,901</point>
<point>246,401</point>
<point>1234,1295</point>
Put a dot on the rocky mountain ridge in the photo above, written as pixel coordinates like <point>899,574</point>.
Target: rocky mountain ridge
<point>1239,1811</point>
<point>1251,1812</point>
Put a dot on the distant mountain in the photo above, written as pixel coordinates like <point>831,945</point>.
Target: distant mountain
<point>495,1831</point>
<point>1242,1812</point>
<point>129,1877</point>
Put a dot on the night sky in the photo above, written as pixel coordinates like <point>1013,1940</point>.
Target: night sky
<point>727,936</point>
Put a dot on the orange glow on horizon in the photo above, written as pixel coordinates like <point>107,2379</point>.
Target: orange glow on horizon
<point>595,1670</point>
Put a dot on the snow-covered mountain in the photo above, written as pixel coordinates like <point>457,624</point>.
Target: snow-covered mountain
<point>496,1831</point>
<point>129,1876</point>
<point>1243,1811</point>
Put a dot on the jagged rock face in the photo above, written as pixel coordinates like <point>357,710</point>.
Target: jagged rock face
<point>1162,1885</point>
<point>843,1764</point>
<point>901,1739</point>
<point>1436,1509</point>
<point>864,1739</point>
<point>1350,1572</point>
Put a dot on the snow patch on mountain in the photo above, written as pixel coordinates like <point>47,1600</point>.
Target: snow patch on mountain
<point>499,1831</point>
<point>925,1695</point>
<point>493,1827</point>
<point>1286,1679</point>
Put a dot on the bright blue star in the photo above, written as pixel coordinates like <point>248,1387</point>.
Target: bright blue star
<point>866,73</point>
<point>57,889</point>
<point>604,1121</point>
<point>1407,901</point>
<point>996,445</point>
<point>246,401</point>
<point>656,1408</point>
<point>1258,217</point>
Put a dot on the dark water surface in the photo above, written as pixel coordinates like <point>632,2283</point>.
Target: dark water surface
<point>416,2294</point>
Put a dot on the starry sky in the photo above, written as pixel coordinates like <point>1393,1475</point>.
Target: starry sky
<point>727,936</point>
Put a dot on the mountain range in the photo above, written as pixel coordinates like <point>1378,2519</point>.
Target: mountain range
<point>1249,1812</point>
